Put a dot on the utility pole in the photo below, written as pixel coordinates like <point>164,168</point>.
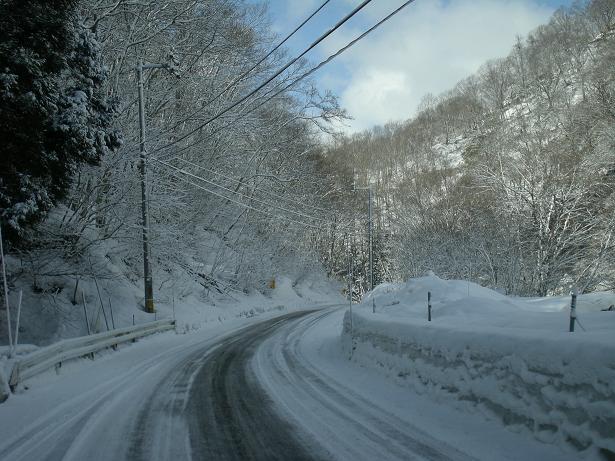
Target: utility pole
<point>147,268</point>
<point>371,240</point>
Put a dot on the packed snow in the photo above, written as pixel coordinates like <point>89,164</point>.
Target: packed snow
<point>358,413</point>
<point>192,308</point>
<point>512,358</point>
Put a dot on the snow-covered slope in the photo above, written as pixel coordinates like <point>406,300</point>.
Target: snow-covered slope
<point>511,358</point>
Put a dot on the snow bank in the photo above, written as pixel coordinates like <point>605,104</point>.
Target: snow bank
<point>55,311</point>
<point>510,357</point>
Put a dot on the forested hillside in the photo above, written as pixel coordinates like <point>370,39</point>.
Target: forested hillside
<point>507,179</point>
<point>228,199</point>
<point>231,176</point>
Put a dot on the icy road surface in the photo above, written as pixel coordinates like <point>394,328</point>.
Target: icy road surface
<point>277,389</point>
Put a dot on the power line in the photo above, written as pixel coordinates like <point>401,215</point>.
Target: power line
<point>263,59</point>
<point>294,82</point>
<point>240,194</point>
<point>291,84</point>
<point>230,178</point>
<point>331,57</point>
<point>198,186</point>
<point>242,76</point>
<point>324,221</point>
<point>270,79</point>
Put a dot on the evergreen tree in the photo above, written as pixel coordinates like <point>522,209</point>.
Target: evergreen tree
<point>53,115</point>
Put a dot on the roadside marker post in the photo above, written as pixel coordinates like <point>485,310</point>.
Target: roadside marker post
<point>573,309</point>
<point>429,306</point>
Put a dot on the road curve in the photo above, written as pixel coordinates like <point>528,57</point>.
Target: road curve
<point>171,398</point>
<point>346,424</point>
<point>249,395</point>
<point>230,417</point>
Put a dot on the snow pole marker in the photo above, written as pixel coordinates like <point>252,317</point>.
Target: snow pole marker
<point>17,322</point>
<point>6,296</point>
<point>85,312</point>
<point>75,292</point>
<point>111,311</point>
<point>350,300</point>
<point>429,306</point>
<point>102,305</point>
<point>573,309</point>
<point>87,322</point>
<point>114,347</point>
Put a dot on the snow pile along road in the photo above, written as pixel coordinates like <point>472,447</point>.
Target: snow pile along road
<point>512,358</point>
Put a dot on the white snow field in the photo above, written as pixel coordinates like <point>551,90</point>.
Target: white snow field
<point>512,359</point>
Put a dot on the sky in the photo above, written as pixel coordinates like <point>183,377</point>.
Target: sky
<point>426,48</point>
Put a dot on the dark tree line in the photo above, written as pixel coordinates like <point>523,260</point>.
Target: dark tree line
<point>53,115</point>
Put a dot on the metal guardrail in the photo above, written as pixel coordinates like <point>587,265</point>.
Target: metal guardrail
<point>47,357</point>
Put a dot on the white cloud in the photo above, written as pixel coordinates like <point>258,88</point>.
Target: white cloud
<point>377,94</point>
<point>299,8</point>
<point>428,48</point>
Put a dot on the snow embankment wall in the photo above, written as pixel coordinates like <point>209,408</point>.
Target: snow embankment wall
<point>561,386</point>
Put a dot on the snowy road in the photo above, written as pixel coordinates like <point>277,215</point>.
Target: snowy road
<point>277,389</point>
<point>346,424</point>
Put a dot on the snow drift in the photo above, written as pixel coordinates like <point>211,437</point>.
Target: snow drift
<point>510,357</point>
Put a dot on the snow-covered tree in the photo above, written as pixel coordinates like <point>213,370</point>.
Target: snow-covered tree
<point>53,115</point>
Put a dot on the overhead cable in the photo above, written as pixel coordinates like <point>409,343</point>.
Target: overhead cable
<point>251,69</point>
<point>184,172</point>
<point>291,84</point>
<point>245,205</point>
<point>363,4</point>
<point>187,173</point>
<point>238,181</point>
<point>331,57</point>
